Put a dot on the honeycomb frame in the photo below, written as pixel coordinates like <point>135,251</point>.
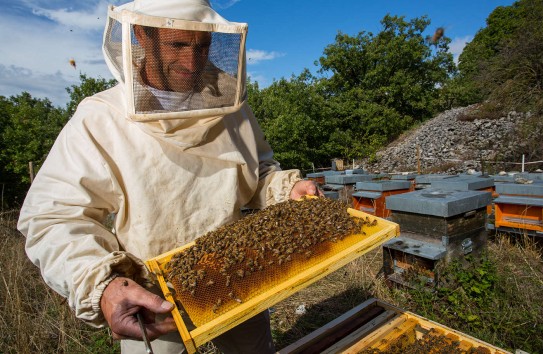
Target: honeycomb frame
<point>332,259</point>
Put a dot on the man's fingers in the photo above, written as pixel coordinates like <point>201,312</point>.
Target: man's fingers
<point>128,327</point>
<point>125,326</point>
<point>157,329</point>
<point>123,299</point>
<point>154,303</point>
<point>138,295</point>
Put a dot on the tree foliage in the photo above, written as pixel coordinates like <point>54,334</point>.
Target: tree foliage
<point>295,119</point>
<point>504,63</point>
<point>370,89</point>
<point>28,128</point>
<point>88,87</point>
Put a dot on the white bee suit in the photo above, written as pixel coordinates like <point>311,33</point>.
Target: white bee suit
<point>167,181</point>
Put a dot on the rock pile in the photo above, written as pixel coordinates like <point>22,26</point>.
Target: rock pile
<point>450,143</point>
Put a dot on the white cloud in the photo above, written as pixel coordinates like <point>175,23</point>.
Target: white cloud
<point>457,46</point>
<point>94,20</point>
<point>35,57</point>
<point>257,77</point>
<point>15,80</point>
<point>254,56</point>
<point>223,4</point>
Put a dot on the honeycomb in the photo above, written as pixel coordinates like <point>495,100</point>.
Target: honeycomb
<point>241,260</point>
<point>433,342</point>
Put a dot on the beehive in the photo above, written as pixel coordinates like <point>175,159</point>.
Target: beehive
<point>371,196</point>
<point>437,225</point>
<point>378,327</point>
<point>286,248</point>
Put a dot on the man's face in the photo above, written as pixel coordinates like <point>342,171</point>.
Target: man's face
<point>174,59</point>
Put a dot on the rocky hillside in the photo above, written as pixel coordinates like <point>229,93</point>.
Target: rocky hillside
<point>455,142</point>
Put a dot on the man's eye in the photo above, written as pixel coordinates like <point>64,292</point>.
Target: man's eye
<point>177,45</point>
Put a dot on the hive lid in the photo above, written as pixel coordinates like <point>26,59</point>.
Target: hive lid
<point>419,248</point>
<point>535,176</point>
<point>519,200</point>
<point>331,194</point>
<point>347,179</point>
<point>534,189</point>
<point>428,178</point>
<point>366,194</point>
<point>332,173</point>
<point>383,185</point>
<point>401,176</point>
<point>333,187</point>
<point>438,202</point>
<point>315,175</point>
<point>463,183</point>
<point>504,178</point>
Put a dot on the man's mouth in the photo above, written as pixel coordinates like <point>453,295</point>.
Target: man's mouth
<point>185,73</point>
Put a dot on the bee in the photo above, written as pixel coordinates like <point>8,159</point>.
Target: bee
<point>227,281</point>
<point>233,297</point>
<point>217,305</point>
<point>438,34</point>
<point>72,63</point>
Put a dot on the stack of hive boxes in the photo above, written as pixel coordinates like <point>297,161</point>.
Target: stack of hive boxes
<point>435,225</point>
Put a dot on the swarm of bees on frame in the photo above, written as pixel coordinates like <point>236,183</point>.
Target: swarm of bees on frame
<point>262,240</point>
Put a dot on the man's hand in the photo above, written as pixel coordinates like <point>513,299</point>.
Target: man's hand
<point>120,302</point>
<point>302,188</point>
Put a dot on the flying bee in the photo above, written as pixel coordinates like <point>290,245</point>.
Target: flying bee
<point>438,34</point>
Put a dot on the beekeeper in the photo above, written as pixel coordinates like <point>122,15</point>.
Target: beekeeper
<point>173,151</point>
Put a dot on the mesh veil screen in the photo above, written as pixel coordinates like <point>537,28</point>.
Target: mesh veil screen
<point>113,45</point>
<point>179,70</point>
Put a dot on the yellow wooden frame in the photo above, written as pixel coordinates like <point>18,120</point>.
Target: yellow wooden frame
<point>192,339</point>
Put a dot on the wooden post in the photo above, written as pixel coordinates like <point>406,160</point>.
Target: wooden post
<point>31,170</point>
<point>418,159</point>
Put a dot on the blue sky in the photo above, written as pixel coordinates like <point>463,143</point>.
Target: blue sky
<point>39,37</point>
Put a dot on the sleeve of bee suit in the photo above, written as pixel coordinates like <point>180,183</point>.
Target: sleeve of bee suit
<point>274,184</point>
<point>62,219</point>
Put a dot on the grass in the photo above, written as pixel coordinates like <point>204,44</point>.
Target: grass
<point>495,297</point>
<point>33,318</point>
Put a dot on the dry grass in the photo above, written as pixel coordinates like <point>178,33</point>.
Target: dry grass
<point>511,319</point>
<point>33,318</point>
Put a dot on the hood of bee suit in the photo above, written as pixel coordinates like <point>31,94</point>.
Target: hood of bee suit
<point>181,64</point>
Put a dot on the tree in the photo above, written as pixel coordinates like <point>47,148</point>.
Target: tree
<point>381,84</point>
<point>503,65</point>
<point>29,130</point>
<point>88,87</point>
<point>294,118</point>
<point>370,89</point>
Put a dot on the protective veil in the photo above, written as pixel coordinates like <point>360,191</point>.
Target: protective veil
<point>172,153</point>
<point>182,65</point>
